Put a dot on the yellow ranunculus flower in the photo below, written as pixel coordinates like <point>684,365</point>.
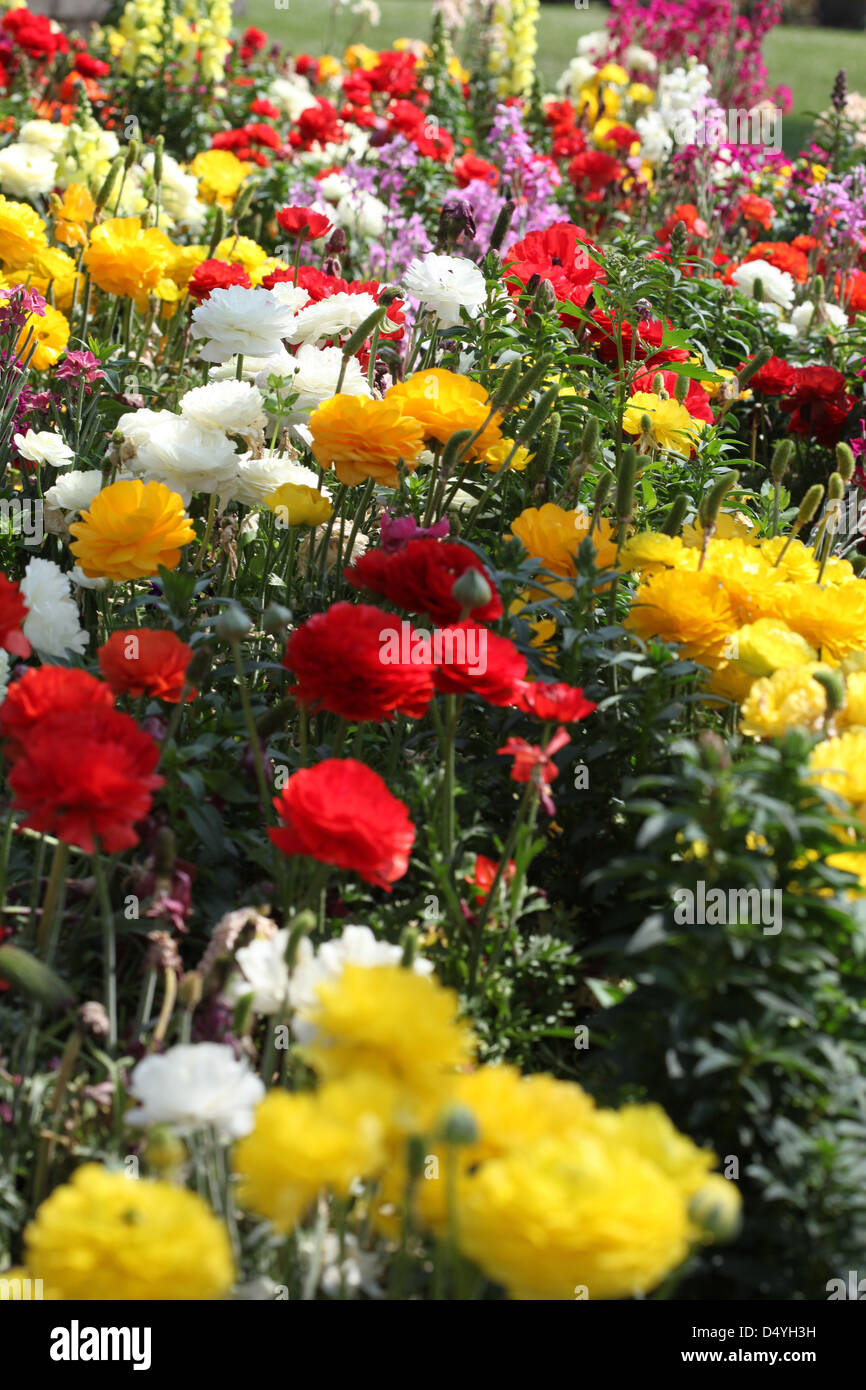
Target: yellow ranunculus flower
<point>127,259</point>
<point>444,403</point>
<point>22,234</point>
<point>555,535</point>
<point>296,504</point>
<point>220,174</point>
<point>129,530</point>
<point>101,1236</point>
<point>364,438</point>
<point>671,425</point>
<point>788,699</point>
<point>765,646</point>
<point>49,332</point>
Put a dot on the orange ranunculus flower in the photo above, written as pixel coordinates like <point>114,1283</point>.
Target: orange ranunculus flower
<point>364,438</point>
<point>74,214</point>
<point>127,259</point>
<point>444,402</point>
<point>129,530</point>
<point>143,662</point>
<point>555,535</point>
<point>43,338</point>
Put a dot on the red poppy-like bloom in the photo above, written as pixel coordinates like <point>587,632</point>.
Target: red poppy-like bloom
<point>688,214</point>
<point>784,257</point>
<point>532,763</point>
<point>560,254</point>
<point>87,775</point>
<point>485,872</point>
<point>216,275</point>
<point>144,662</point>
<point>304,223</point>
<point>420,578</point>
<point>471,167</point>
<point>340,812</point>
<point>566,704</point>
<point>594,169</point>
<point>758,210</point>
<point>649,337</point>
<point>42,692</point>
<point>818,404</point>
<point>696,401</point>
<point>775,378</point>
<point>479,662</point>
<point>13,611</point>
<point>344,661</point>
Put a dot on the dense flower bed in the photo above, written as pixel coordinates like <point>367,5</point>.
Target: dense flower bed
<point>432,664</point>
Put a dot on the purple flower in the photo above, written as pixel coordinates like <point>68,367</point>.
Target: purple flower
<point>80,366</point>
<point>398,531</point>
<point>16,302</point>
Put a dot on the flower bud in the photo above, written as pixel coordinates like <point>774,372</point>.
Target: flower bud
<point>189,990</point>
<point>717,1208</point>
<point>471,590</point>
<point>232,624</point>
<point>276,620</point>
<point>459,1126</point>
<point>845,461</point>
<point>781,458</point>
<point>809,505</point>
<point>834,688</point>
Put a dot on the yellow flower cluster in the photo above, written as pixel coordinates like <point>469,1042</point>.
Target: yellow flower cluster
<point>546,1192</point>
<point>365,438</point>
<point>512,58</point>
<point>196,38</point>
<point>103,1236</point>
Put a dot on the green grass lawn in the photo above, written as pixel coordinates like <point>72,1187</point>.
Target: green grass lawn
<point>806,60</point>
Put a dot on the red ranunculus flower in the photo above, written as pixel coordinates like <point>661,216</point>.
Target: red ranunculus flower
<point>304,223</point>
<point>262,107</point>
<point>89,66</point>
<point>479,662</point>
<point>566,704</point>
<point>594,169</point>
<point>42,692</point>
<point>420,578</point>
<point>143,662</point>
<point>485,873</point>
<point>340,812</point>
<point>775,378</point>
<point>560,254</point>
<point>345,661</point>
<point>649,336</point>
<point>13,611</point>
<point>471,167</point>
<point>255,39</point>
<point>818,404</point>
<point>86,775</point>
<point>758,210</point>
<point>216,275</point>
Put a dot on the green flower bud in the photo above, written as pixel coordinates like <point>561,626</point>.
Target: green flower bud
<point>232,624</point>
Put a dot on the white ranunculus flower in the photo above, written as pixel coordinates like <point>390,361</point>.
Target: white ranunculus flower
<point>777,285</point>
<point>579,70</point>
<point>355,946</point>
<point>335,317</point>
<point>262,972</point>
<point>193,1086</point>
<point>335,186</point>
<point>179,192</point>
<point>136,426</point>
<point>51,135</point>
<point>44,446</point>
<point>233,406</point>
<point>253,367</point>
<point>656,141</point>
<point>803,318</point>
<point>594,45</point>
<point>315,376</point>
<point>638,59</point>
<point>292,94</point>
<point>445,284</point>
<point>186,456</point>
<point>74,491</point>
<point>362,213</point>
<point>83,581</point>
<point>258,478</point>
<point>51,625</point>
<point>292,297</point>
<point>27,171</point>
<point>236,321</point>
